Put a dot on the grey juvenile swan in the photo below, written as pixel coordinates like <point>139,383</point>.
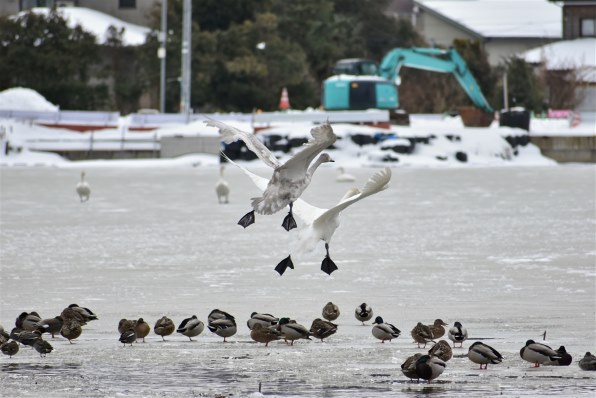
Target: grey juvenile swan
<point>289,179</point>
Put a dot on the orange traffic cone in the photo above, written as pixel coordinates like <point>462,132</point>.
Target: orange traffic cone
<point>284,101</point>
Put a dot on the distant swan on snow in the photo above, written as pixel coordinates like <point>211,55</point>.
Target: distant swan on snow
<point>222,188</point>
<point>290,179</point>
<point>344,177</point>
<point>83,188</point>
<point>320,224</point>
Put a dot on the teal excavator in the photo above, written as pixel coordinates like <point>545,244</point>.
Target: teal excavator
<point>359,84</point>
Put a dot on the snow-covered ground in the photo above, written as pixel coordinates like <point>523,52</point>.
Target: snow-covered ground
<point>508,252</point>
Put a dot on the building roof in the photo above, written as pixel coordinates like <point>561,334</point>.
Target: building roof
<point>579,54</point>
<point>500,18</point>
<point>97,23</point>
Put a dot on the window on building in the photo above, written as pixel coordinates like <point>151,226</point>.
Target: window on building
<point>127,3</point>
<point>588,27</point>
<point>28,4</point>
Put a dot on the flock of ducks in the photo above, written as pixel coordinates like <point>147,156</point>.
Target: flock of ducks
<point>290,180</point>
<point>265,328</point>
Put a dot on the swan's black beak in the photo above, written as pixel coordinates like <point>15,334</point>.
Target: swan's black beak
<point>283,265</point>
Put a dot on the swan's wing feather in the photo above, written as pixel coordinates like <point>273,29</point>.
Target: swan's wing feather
<point>259,181</point>
<point>323,137</point>
<point>231,134</point>
<point>376,183</point>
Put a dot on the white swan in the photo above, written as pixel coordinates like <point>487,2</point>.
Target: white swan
<point>344,177</point>
<point>320,224</point>
<point>222,188</point>
<point>290,179</point>
<point>83,188</point>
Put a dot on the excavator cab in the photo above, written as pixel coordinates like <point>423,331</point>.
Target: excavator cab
<point>356,67</point>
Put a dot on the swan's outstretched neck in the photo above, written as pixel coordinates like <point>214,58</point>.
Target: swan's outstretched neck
<point>323,158</point>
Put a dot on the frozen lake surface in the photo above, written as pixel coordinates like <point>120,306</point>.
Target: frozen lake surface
<point>508,252</point>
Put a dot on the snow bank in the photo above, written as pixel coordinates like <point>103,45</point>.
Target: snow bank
<point>24,99</point>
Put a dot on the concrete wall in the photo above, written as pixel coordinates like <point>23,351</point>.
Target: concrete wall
<point>177,145</point>
<point>581,149</point>
<point>138,15</point>
<point>438,32</point>
<point>9,7</point>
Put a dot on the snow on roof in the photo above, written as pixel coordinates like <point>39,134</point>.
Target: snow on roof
<point>26,99</point>
<point>579,54</point>
<point>502,18</point>
<point>97,23</point>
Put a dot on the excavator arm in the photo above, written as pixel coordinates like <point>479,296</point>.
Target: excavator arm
<point>434,60</point>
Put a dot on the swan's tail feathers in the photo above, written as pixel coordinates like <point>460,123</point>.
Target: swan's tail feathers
<point>284,265</point>
<point>267,206</point>
<point>377,182</point>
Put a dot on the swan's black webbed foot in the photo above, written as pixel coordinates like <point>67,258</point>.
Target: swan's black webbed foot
<point>247,219</point>
<point>284,264</point>
<point>289,222</point>
<point>328,266</point>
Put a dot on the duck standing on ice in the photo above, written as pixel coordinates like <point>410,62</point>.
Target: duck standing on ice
<point>289,179</point>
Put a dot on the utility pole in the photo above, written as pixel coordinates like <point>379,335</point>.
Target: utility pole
<point>161,54</point>
<point>185,82</point>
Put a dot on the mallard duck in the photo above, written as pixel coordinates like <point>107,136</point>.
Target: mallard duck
<point>565,359</point>
<point>441,350</point>
<point>264,334</point>
<point>87,314</point>
<point>384,331</point>
<point>437,328</point>
<point>342,176</point>
<point>191,327</point>
<point>125,324</point>
<point>321,329</point>
<point>222,188</point>
<point>15,333</point>
<point>42,346</point>
<point>27,337</point>
<point>51,325</point>
<point>83,189</point>
<point>71,330</point>
<point>223,327</point>
<point>142,329</point>
<point>408,368</point>
<point>128,337</point>
<point>458,334</point>
<point>290,179</point>
<point>429,368</point>
<point>330,311</point>
<point>537,353</point>
<point>483,354</point>
<point>588,362</point>
<point>10,348</point>
<point>164,326</point>
<point>266,320</point>
<point>28,321</point>
<point>422,334</point>
<point>69,314</point>
<point>4,336</point>
<point>321,224</point>
<point>292,331</point>
<point>219,314</point>
<point>363,313</point>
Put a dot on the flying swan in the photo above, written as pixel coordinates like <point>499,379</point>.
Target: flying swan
<point>289,179</point>
<point>320,224</point>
